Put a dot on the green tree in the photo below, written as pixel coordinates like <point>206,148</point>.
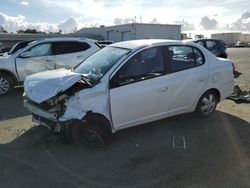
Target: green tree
<point>31,31</point>
<point>2,30</point>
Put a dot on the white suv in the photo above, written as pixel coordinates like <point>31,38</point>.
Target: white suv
<point>127,84</point>
<point>43,55</point>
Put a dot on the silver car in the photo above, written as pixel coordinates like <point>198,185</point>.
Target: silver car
<point>43,55</point>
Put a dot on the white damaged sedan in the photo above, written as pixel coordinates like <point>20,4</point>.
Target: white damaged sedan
<point>127,84</point>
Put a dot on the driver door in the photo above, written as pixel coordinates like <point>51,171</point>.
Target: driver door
<point>36,59</point>
<point>138,91</point>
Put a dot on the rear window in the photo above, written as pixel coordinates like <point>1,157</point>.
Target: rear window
<point>211,44</point>
<point>69,47</point>
<point>184,57</point>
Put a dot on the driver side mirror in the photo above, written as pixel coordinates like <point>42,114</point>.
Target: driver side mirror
<point>25,54</point>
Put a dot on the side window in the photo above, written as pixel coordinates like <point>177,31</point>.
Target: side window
<point>82,46</point>
<point>146,64</point>
<point>200,43</point>
<point>69,47</point>
<point>39,50</point>
<point>181,58</point>
<point>210,44</point>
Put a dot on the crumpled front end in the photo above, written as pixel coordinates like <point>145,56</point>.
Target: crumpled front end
<point>95,100</point>
<point>48,112</point>
<point>70,106</point>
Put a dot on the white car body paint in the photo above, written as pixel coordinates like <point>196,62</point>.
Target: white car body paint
<point>71,60</point>
<point>44,85</point>
<point>20,67</point>
<point>142,101</point>
<point>94,99</point>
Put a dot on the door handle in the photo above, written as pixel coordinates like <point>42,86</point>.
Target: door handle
<point>163,89</point>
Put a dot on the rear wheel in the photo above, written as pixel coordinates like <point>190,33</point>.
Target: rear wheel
<point>6,84</point>
<point>207,104</point>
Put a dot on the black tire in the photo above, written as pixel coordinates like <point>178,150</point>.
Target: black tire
<point>92,134</point>
<point>6,84</point>
<point>207,104</point>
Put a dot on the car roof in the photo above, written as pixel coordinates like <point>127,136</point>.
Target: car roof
<point>133,44</point>
<point>192,40</point>
<point>65,39</point>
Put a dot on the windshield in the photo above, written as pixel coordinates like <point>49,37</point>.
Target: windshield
<point>96,66</point>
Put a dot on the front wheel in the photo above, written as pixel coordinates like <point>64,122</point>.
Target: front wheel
<point>93,135</point>
<point>207,104</point>
<point>6,84</point>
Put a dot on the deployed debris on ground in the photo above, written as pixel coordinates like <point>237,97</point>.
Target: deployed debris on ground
<point>239,95</point>
<point>237,74</point>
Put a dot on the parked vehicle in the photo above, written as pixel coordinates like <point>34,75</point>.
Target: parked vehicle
<point>231,45</point>
<point>4,50</point>
<point>104,43</point>
<point>241,44</point>
<point>16,47</point>
<point>42,55</point>
<point>129,83</point>
<point>216,46</point>
<point>19,46</point>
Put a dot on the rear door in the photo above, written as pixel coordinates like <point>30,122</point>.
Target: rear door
<point>187,76</point>
<point>38,58</point>
<point>68,54</point>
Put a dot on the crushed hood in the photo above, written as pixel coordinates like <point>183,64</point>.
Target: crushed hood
<point>42,86</point>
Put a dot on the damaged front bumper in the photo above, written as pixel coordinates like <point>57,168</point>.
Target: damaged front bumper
<point>47,119</point>
<point>36,110</point>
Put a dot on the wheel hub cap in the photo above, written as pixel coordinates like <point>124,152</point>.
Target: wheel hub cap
<point>4,85</point>
<point>208,104</point>
<point>92,138</point>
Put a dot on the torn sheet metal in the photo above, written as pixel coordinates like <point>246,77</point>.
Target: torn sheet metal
<point>239,95</point>
<point>94,99</point>
<point>42,86</point>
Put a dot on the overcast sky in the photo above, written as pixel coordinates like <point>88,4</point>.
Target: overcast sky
<point>196,16</point>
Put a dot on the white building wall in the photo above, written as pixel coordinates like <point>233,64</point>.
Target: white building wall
<point>135,31</point>
<point>157,31</point>
<point>228,37</point>
<point>245,38</point>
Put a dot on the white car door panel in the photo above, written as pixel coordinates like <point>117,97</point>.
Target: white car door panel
<point>182,96</point>
<point>27,66</point>
<point>67,61</point>
<point>36,59</point>
<point>139,102</point>
<point>70,54</point>
<point>144,97</point>
<point>188,80</point>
